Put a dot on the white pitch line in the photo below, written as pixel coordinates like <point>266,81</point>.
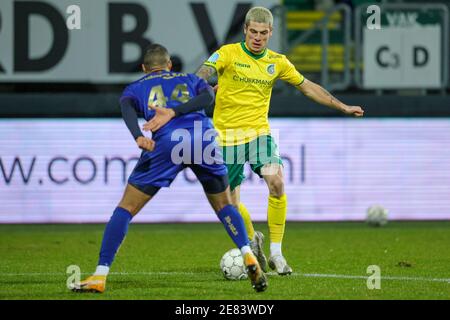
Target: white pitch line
<point>342,276</point>
<point>295,274</point>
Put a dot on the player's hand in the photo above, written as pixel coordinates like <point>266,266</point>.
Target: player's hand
<point>215,88</point>
<point>355,111</point>
<point>161,117</point>
<point>145,143</point>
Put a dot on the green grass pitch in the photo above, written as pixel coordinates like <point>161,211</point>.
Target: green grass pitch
<point>181,261</point>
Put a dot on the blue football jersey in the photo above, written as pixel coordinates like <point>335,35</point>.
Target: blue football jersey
<point>167,89</point>
<point>158,168</point>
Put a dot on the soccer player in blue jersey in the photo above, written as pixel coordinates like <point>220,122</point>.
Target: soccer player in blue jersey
<point>180,97</point>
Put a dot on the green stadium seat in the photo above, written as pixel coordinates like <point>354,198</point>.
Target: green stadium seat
<point>305,20</point>
<point>308,57</point>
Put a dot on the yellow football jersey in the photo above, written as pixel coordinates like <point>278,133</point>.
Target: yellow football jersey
<point>245,87</point>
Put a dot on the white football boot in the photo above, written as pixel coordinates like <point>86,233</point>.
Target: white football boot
<point>279,264</point>
<point>257,247</point>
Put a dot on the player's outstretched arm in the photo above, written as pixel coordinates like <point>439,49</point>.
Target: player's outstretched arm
<point>322,96</point>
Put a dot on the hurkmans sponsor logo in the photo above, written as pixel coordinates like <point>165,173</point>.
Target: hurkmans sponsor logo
<point>261,82</point>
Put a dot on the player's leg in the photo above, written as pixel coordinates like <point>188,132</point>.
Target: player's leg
<point>276,216</point>
<point>236,200</point>
<point>214,180</point>
<point>256,237</point>
<point>235,158</point>
<point>153,170</point>
<point>115,231</point>
<point>218,194</point>
<point>132,202</point>
<point>269,167</point>
<point>234,224</point>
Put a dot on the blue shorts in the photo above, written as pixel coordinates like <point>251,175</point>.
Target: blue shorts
<point>160,167</point>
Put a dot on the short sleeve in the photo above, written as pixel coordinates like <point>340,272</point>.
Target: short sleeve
<point>217,60</point>
<point>289,73</point>
<point>129,92</point>
<point>199,84</point>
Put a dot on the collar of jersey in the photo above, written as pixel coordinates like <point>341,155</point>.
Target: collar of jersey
<point>251,54</point>
<point>161,71</point>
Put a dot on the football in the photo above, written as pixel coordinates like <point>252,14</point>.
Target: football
<point>232,265</point>
<point>376,216</point>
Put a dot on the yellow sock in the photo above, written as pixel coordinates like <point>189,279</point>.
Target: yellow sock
<point>247,221</point>
<point>276,217</point>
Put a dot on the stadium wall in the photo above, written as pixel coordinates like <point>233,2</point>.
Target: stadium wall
<point>74,171</point>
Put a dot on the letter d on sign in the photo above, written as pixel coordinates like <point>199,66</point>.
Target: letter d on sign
<point>374,281</point>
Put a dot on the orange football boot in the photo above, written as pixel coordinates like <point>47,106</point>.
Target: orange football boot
<point>94,283</point>
<point>255,273</point>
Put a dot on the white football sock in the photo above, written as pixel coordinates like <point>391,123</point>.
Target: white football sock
<point>245,249</point>
<point>101,271</point>
<point>275,249</point>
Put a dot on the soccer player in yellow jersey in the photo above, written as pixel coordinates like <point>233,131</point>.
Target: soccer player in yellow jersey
<point>246,74</point>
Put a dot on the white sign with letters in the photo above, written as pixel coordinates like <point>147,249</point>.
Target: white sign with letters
<point>103,40</point>
<point>402,57</point>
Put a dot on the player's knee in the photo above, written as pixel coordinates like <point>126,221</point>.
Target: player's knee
<point>235,198</point>
<point>131,207</point>
<point>218,206</point>
<point>276,186</point>
<point>223,205</point>
<point>222,202</point>
<point>235,202</point>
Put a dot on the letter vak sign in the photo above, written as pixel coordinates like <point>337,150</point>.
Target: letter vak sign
<point>402,57</point>
<point>104,40</point>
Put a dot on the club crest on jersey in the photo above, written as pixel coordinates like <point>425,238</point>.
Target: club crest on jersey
<point>271,69</point>
<point>213,58</point>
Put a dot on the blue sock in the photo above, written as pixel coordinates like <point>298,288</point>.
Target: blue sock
<point>115,231</point>
<point>234,224</point>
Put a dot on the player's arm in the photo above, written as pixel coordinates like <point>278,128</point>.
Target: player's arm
<point>320,95</point>
<point>199,102</point>
<point>206,72</point>
<point>129,115</point>
<point>163,115</point>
